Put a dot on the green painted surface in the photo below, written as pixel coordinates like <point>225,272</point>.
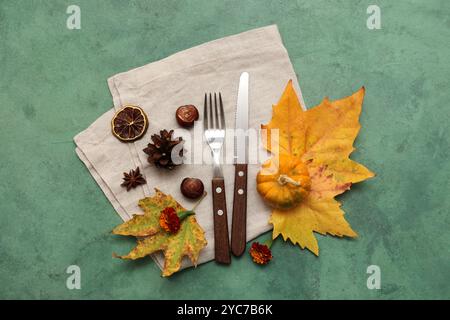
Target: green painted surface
<point>52,86</point>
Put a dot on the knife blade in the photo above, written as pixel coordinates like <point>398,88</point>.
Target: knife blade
<point>239,224</point>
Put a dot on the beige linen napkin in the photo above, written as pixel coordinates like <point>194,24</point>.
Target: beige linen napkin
<point>183,78</point>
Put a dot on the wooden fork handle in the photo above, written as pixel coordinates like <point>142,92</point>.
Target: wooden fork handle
<point>239,224</point>
<point>221,240</point>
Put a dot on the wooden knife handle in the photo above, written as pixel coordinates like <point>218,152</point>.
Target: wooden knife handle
<point>239,225</point>
<point>221,240</point>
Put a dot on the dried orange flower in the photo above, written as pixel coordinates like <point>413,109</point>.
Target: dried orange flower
<point>260,253</point>
<point>169,220</point>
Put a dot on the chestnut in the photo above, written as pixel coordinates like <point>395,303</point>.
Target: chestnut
<point>192,188</point>
<point>186,115</point>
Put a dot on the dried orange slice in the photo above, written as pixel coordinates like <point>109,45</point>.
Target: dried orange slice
<point>129,123</point>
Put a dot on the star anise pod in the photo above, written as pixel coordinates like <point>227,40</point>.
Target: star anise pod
<point>133,179</point>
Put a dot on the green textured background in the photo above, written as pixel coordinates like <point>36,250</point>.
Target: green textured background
<point>53,85</point>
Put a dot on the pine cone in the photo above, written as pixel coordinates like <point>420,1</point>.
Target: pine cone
<point>160,151</point>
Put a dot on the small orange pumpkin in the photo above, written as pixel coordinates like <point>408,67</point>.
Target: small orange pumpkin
<point>284,182</point>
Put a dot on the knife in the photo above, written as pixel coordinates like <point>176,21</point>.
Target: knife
<point>239,224</point>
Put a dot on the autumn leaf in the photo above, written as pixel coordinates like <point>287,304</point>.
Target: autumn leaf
<point>148,223</point>
<point>188,241</point>
<point>321,137</point>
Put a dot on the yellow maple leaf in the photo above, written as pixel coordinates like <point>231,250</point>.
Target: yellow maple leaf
<point>321,137</point>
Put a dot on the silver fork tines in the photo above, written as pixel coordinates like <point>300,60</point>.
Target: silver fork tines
<point>214,128</point>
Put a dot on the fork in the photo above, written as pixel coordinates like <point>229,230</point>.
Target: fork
<point>214,130</point>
